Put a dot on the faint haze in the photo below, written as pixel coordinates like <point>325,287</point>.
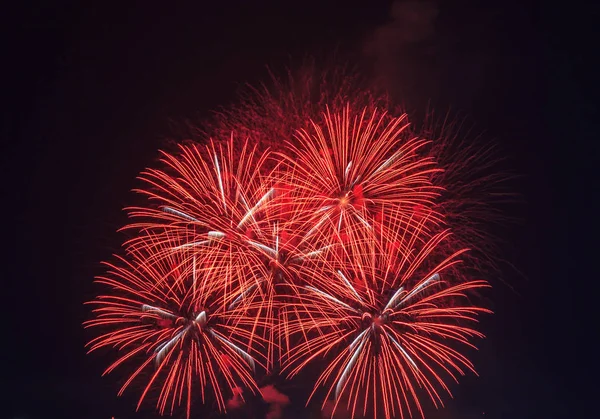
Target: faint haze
<point>417,58</point>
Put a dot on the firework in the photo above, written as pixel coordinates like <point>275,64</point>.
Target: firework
<point>164,320</point>
<point>477,187</point>
<point>337,246</point>
<point>206,203</point>
<point>387,325</point>
<point>351,173</point>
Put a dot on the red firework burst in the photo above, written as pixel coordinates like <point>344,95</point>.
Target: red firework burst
<point>388,325</point>
<point>350,174</point>
<point>166,315</point>
<point>206,203</point>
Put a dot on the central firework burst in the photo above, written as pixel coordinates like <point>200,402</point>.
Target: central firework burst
<point>351,173</point>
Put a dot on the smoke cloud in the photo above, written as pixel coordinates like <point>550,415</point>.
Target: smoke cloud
<point>276,400</point>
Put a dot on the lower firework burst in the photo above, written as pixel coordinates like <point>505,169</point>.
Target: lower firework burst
<point>389,330</point>
<point>167,317</point>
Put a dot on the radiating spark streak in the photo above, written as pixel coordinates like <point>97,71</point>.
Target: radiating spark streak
<point>312,253</point>
<point>344,376</point>
<point>355,181</point>
<point>220,178</point>
<point>347,170</point>
<point>357,339</point>
<point>325,208</point>
<point>362,220</point>
<point>181,214</point>
<point>194,275</point>
<point>317,226</point>
<point>216,234</point>
<point>258,204</point>
<point>329,297</point>
<point>201,318</point>
<point>403,351</point>
<point>432,278</point>
<point>246,206</point>
<point>393,299</point>
<point>192,244</point>
<point>318,251</point>
<point>349,285</point>
<point>269,251</point>
<point>150,309</point>
<point>162,350</point>
<point>388,162</point>
<point>236,348</point>
<point>242,296</point>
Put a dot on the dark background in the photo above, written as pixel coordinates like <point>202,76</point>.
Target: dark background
<point>88,92</point>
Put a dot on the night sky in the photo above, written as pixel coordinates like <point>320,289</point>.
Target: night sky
<point>90,93</point>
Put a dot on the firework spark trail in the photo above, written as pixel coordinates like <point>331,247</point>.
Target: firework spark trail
<point>165,313</point>
<point>383,351</point>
